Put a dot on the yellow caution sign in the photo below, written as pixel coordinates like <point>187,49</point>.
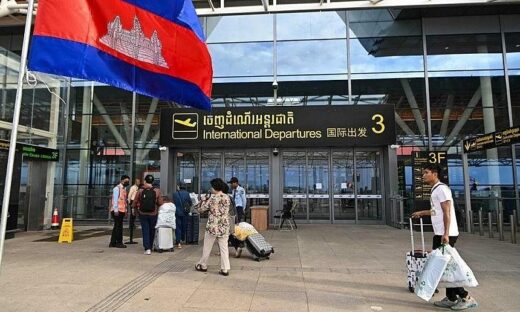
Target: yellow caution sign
<point>66,232</point>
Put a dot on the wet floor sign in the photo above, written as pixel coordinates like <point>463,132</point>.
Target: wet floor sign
<point>66,232</point>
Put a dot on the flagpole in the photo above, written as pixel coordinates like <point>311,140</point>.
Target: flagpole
<point>14,130</point>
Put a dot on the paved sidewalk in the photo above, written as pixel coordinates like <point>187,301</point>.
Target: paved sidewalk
<point>316,268</point>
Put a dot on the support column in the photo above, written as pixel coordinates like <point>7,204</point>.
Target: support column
<point>490,126</point>
<point>51,166</point>
<point>78,205</point>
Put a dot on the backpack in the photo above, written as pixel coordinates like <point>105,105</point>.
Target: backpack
<point>232,206</point>
<point>148,200</point>
<point>186,205</point>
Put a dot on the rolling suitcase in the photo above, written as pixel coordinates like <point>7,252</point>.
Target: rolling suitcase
<point>415,259</point>
<point>258,247</point>
<point>192,229</point>
<point>163,239</point>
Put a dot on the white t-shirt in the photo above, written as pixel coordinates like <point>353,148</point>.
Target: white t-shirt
<point>440,194</point>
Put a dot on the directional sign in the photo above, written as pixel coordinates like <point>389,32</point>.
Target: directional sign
<point>493,140</point>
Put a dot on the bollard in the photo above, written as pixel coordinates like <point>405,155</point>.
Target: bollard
<point>401,212</point>
<point>513,229</point>
<point>500,223</point>
<point>516,219</point>
<point>480,225</point>
<point>471,224</point>
<point>490,222</point>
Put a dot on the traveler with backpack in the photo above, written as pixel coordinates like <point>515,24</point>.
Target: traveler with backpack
<point>183,205</point>
<point>147,201</point>
<point>118,205</point>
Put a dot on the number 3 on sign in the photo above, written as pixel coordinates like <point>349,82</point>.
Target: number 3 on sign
<point>378,118</point>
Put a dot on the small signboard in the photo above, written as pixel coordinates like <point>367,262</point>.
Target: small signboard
<point>493,140</point>
<point>33,151</point>
<point>421,190</point>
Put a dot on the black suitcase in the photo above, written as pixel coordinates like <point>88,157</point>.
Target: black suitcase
<point>192,229</point>
<point>258,247</point>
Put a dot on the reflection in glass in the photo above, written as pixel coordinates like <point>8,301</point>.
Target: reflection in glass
<point>312,57</point>
<point>234,166</point>
<point>242,59</point>
<point>239,28</point>
<point>187,170</point>
<point>211,164</point>
<point>395,55</point>
<point>311,25</point>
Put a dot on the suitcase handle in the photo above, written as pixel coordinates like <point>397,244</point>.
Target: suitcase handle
<point>422,236</point>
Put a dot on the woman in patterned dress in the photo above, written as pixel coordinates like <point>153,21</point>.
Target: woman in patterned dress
<point>217,228</point>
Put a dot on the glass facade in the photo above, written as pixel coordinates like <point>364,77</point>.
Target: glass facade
<point>448,78</point>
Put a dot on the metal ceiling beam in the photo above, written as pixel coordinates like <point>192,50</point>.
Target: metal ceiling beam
<point>447,113</point>
<point>413,105</point>
<point>338,5</point>
<point>464,118</point>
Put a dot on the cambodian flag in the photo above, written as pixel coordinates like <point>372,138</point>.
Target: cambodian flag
<point>153,47</point>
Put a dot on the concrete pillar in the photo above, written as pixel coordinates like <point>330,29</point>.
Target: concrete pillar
<point>51,166</point>
<point>79,203</point>
<point>489,126</point>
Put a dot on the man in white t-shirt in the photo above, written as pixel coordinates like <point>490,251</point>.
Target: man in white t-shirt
<point>446,231</point>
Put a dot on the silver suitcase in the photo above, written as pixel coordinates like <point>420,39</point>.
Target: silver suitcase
<point>258,247</point>
<point>163,239</point>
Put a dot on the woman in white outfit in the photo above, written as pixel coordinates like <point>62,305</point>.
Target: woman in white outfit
<point>217,228</point>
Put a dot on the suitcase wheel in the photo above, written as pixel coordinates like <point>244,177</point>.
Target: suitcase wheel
<point>267,257</point>
<point>159,250</point>
<point>171,249</point>
<point>411,289</point>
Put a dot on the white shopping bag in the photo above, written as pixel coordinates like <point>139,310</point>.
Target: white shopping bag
<point>166,216</point>
<point>457,273</point>
<point>431,274</point>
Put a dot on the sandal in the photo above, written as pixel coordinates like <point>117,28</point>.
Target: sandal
<point>223,273</point>
<point>199,268</point>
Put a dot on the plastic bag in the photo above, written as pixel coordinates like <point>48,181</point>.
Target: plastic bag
<point>457,273</point>
<point>243,230</point>
<point>431,274</point>
<point>166,216</point>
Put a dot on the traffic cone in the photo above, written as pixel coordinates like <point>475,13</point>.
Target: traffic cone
<point>55,222</point>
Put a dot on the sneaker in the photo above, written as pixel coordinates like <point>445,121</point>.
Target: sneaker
<point>465,303</point>
<point>148,252</point>
<point>445,303</point>
<point>238,253</point>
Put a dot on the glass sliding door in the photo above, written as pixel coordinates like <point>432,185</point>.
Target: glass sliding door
<point>257,175</point>
<point>318,185</point>
<point>188,170</point>
<point>211,168</point>
<point>234,166</point>
<point>343,185</point>
<point>294,182</point>
<point>368,185</point>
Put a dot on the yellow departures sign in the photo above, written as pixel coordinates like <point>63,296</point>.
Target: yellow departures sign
<point>67,231</point>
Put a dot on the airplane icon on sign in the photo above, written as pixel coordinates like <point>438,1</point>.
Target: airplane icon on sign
<point>186,122</point>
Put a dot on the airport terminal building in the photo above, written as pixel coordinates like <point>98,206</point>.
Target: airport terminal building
<point>325,104</point>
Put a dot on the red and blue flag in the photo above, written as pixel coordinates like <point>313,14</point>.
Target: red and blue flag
<point>152,47</point>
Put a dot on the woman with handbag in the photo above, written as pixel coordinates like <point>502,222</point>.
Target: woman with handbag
<point>217,228</point>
